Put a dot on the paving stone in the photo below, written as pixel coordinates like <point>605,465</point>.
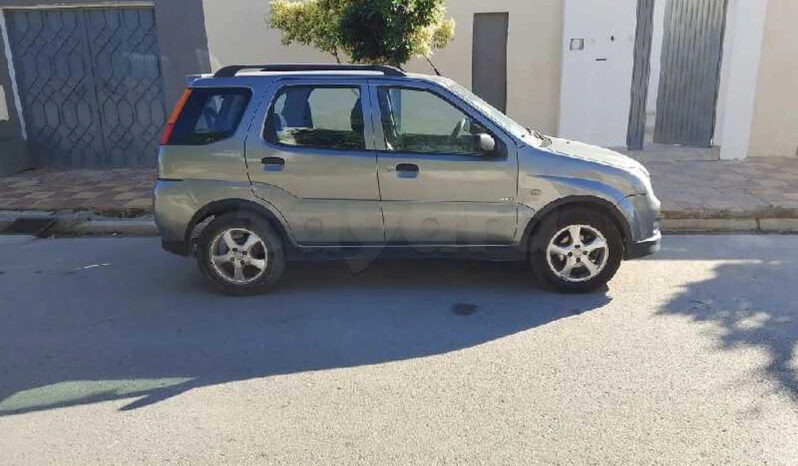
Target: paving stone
<point>50,189</point>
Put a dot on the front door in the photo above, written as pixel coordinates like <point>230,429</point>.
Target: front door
<point>312,157</point>
<point>436,186</point>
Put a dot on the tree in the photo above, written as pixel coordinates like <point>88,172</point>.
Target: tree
<point>393,31</point>
<point>368,31</point>
<point>312,22</point>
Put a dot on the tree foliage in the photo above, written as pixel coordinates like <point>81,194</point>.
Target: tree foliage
<point>311,22</point>
<point>393,31</point>
<point>368,31</point>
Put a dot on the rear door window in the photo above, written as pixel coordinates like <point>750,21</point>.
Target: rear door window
<point>210,115</point>
<point>319,117</point>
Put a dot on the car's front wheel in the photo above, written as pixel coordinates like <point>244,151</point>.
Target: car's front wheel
<point>240,253</point>
<point>577,250</point>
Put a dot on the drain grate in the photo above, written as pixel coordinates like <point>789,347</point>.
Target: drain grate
<point>28,226</point>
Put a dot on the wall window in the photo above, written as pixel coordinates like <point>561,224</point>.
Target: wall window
<point>420,121</point>
<point>320,117</point>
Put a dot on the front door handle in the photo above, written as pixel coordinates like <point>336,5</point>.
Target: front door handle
<point>273,164</point>
<point>407,170</point>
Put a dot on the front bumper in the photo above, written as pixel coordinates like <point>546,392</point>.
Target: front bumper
<point>644,248</point>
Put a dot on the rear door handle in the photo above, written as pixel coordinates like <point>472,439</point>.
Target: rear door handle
<point>273,164</point>
<point>407,170</point>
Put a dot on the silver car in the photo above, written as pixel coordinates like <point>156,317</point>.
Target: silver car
<point>259,164</point>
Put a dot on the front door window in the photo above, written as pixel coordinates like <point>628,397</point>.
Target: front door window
<point>419,121</point>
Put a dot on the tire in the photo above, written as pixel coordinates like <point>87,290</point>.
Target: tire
<point>554,236</point>
<point>260,266</point>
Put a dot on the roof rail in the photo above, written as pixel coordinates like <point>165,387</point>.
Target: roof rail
<point>230,71</point>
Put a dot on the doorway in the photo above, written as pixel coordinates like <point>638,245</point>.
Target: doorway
<point>676,77</point>
<point>489,58</point>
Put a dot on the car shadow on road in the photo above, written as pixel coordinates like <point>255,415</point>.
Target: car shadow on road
<point>745,299</point>
<point>125,340</point>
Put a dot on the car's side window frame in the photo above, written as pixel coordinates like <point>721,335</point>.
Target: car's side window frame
<point>503,141</point>
<point>279,85</point>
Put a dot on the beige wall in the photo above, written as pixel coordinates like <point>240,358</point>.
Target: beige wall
<point>534,49</point>
<point>774,129</point>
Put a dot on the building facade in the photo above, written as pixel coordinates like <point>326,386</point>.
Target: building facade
<point>623,73</point>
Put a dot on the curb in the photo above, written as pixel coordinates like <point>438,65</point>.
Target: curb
<point>81,224</point>
<point>84,223</point>
<point>133,227</point>
<point>730,225</point>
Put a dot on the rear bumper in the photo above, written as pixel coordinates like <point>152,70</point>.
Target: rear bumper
<point>175,247</point>
<point>644,248</point>
<point>173,207</point>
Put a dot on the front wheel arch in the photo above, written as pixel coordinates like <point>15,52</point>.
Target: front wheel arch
<point>529,241</point>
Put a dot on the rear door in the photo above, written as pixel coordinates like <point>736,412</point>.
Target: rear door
<point>310,155</point>
<point>436,187</point>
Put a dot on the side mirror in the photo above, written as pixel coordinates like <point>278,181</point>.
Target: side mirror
<point>485,143</point>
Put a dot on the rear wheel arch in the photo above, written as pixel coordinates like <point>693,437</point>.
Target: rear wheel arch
<point>221,207</point>
<point>597,204</point>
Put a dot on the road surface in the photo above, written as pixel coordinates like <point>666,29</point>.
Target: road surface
<point>112,351</point>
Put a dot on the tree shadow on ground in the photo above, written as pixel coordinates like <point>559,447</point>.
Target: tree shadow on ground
<point>146,326</point>
<point>747,298</point>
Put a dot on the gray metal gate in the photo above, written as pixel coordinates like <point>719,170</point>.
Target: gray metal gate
<point>640,73</point>
<point>90,84</point>
<point>691,55</point>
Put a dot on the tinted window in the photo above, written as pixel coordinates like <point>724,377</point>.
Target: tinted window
<point>210,115</point>
<point>321,117</point>
<point>420,121</point>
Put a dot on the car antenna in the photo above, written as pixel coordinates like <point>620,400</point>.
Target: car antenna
<point>433,66</point>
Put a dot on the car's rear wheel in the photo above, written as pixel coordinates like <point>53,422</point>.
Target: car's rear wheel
<point>241,254</point>
<point>577,250</point>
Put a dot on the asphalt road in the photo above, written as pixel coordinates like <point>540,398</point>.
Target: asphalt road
<point>112,351</point>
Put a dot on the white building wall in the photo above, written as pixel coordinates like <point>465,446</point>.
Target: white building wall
<point>550,87</point>
<point>745,23</point>
<point>596,81</point>
<point>533,49</point>
<point>657,35</point>
<point>723,85</point>
<point>774,130</point>
<point>3,105</point>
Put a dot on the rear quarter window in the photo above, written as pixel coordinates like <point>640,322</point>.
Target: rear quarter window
<point>210,115</point>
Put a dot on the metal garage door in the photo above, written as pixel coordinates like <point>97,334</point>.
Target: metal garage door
<point>90,84</point>
<point>688,84</point>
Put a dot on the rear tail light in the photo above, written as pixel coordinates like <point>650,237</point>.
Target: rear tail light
<point>170,123</point>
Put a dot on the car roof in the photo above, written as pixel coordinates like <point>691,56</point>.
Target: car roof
<point>251,74</point>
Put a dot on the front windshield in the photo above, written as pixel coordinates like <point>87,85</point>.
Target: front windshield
<point>489,110</point>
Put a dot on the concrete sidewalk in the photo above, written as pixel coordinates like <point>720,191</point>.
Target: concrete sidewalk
<point>697,195</point>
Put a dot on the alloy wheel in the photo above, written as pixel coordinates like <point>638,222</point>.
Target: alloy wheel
<point>577,253</point>
<point>239,255</point>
